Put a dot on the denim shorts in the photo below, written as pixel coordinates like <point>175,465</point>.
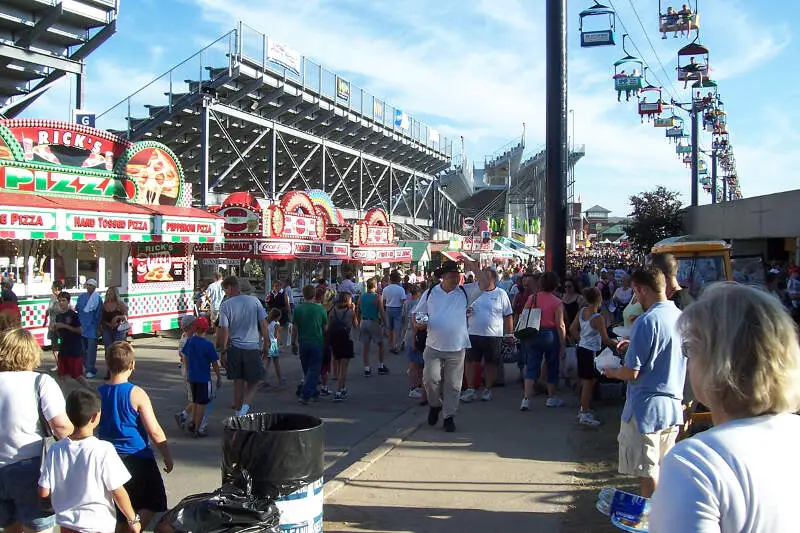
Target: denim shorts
<point>545,346</point>
<point>394,317</point>
<point>19,496</point>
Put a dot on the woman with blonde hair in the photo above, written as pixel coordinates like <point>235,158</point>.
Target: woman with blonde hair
<point>744,364</point>
<point>25,397</point>
<point>115,315</point>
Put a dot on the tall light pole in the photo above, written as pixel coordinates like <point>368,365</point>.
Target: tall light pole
<point>556,144</point>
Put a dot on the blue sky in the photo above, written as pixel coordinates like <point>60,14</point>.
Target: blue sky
<point>476,68</point>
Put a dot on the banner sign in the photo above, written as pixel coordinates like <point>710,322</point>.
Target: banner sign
<point>343,89</point>
<point>114,223</point>
<point>229,247</point>
<point>284,56</point>
<point>373,255</point>
<point>159,262</point>
<point>28,219</point>
<point>377,109</point>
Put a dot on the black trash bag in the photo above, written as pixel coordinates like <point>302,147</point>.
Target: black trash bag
<point>281,452</point>
<point>229,509</point>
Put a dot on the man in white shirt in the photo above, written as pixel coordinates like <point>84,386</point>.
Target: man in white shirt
<point>348,285</point>
<point>490,320</point>
<point>393,297</point>
<point>446,307</point>
<point>215,297</point>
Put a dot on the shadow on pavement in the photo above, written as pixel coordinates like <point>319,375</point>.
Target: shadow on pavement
<point>346,519</point>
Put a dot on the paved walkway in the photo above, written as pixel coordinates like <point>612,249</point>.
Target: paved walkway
<point>386,470</point>
<point>503,470</point>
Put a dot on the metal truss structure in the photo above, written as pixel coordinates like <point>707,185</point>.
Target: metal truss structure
<point>42,41</point>
<point>516,186</point>
<point>239,120</point>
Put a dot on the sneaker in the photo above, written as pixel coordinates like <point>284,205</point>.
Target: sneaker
<point>299,389</point>
<point>554,401</point>
<point>325,391</point>
<point>394,351</point>
<point>487,395</point>
<point>339,396</point>
<point>202,432</point>
<point>468,395</point>
<point>449,424</point>
<point>588,419</point>
<point>383,370</point>
<point>180,420</point>
<point>367,371</point>
<point>90,375</point>
<point>415,394</point>
<point>433,415</point>
<point>525,405</point>
<point>243,411</point>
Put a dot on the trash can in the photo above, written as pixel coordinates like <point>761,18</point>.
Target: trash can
<point>283,453</point>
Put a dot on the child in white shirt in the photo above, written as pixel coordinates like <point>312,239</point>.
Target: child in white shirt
<point>273,327</point>
<point>84,477</point>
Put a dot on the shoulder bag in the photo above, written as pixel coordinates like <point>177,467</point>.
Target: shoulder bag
<point>529,321</point>
<point>48,439</point>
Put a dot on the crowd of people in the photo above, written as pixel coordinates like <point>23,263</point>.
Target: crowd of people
<point>738,344</point>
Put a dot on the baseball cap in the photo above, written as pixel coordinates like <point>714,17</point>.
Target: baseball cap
<point>201,324</point>
<point>187,320</point>
<point>92,282</point>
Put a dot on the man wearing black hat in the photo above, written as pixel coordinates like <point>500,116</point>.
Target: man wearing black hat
<point>445,305</point>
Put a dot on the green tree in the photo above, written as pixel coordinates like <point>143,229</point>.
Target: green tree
<point>655,215</point>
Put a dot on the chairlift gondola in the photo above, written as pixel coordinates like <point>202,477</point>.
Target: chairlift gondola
<point>683,148</point>
<point>623,80</point>
<point>598,37</point>
<point>693,69</point>
<point>675,133</point>
<point>653,108</point>
<point>684,21</point>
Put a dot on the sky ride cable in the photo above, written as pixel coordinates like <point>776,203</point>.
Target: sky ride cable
<point>641,55</point>
<point>653,48</point>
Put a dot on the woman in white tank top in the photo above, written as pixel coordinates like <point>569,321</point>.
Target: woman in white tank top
<point>590,327</point>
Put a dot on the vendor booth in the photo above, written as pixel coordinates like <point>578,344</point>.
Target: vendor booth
<point>374,252</point>
<point>78,203</point>
<point>287,239</point>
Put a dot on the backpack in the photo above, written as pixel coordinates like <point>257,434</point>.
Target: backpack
<point>338,325</point>
<point>421,337</point>
<point>605,291</point>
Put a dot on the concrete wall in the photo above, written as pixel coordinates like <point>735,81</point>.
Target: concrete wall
<point>770,216</point>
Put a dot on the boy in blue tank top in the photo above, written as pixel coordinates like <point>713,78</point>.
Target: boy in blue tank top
<point>128,422</point>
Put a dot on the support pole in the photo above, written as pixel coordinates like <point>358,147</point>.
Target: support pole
<point>713,175</point>
<point>205,126</point>
<point>556,145</point>
<point>507,211</point>
<point>273,167</point>
<point>79,87</point>
<point>324,165</point>
<point>725,189</point>
<point>695,150</point>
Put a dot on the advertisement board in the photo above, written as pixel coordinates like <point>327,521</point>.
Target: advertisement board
<point>159,262</point>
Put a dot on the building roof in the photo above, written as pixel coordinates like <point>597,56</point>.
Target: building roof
<point>618,229</point>
<point>597,208</point>
<point>419,250</point>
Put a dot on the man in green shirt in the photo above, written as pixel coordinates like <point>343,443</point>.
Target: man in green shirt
<point>310,320</point>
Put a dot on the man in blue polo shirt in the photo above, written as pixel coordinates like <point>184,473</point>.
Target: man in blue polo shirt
<point>89,308</point>
<point>656,371</point>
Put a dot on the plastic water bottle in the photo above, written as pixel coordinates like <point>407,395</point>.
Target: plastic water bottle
<point>628,512</point>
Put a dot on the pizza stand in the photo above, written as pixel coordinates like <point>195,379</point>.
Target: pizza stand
<point>78,203</point>
<point>288,237</point>
<point>374,250</point>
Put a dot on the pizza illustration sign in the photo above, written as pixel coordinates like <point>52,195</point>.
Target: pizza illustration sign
<point>159,262</point>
